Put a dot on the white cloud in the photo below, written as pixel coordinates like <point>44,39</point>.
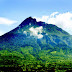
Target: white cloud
<point>6,21</point>
<point>25,32</point>
<point>1,33</point>
<point>44,18</point>
<point>36,30</point>
<point>53,14</point>
<point>62,20</point>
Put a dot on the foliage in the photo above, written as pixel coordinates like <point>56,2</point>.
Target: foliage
<point>44,60</point>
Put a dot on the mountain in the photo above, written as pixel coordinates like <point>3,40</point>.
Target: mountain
<point>39,35</point>
<point>36,41</point>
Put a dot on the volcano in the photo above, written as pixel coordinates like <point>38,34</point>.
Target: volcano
<point>37,40</point>
<point>39,35</point>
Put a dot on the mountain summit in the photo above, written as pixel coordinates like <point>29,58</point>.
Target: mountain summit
<point>27,21</point>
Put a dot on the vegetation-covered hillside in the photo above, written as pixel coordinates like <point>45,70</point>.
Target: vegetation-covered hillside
<point>28,60</point>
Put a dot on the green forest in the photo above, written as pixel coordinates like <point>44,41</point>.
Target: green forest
<point>26,59</point>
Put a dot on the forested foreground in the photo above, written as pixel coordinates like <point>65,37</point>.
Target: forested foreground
<point>29,60</point>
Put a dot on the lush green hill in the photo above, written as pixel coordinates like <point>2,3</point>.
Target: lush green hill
<point>28,60</point>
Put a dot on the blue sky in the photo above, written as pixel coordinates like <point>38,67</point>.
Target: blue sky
<point>13,12</point>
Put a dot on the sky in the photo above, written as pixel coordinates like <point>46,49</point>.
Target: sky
<point>57,12</point>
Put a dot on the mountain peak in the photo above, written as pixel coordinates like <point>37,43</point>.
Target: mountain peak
<point>30,17</point>
<point>27,21</point>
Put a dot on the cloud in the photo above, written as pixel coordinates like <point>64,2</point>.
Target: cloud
<point>44,18</point>
<point>53,14</point>
<point>6,21</point>
<point>1,32</point>
<point>62,20</point>
<point>37,31</point>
